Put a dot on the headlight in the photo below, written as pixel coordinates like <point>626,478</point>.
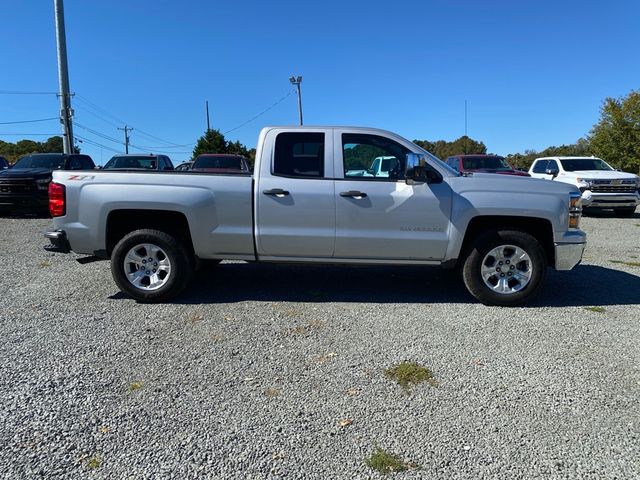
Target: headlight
<point>575,209</point>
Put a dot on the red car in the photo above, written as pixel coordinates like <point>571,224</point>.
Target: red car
<point>220,163</point>
<point>483,164</point>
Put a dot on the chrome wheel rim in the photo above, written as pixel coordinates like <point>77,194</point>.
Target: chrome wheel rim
<point>506,269</point>
<point>147,267</point>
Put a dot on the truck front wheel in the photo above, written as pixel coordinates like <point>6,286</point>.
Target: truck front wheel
<point>151,265</point>
<point>504,268</point>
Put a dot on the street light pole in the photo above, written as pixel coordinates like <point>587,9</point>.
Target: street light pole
<point>63,77</point>
<point>297,81</point>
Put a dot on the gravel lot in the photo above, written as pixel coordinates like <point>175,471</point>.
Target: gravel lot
<point>250,373</point>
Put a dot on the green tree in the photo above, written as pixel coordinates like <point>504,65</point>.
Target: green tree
<point>616,136</point>
<point>212,141</point>
<point>13,151</point>
<point>443,149</point>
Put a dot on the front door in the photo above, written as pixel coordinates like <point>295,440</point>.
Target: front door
<point>379,216</point>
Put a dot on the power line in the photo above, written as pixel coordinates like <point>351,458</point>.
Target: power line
<point>102,135</point>
<point>260,114</point>
<point>91,142</point>
<point>97,116</point>
<point>99,109</point>
<point>18,92</point>
<point>34,134</point>
<point>29,121</point>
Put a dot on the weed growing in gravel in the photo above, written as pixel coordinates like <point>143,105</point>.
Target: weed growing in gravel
<point>272,392</point>
<point>133,386</point>
<point>409,373</point>
<point>595,309</point>
<point>94,462</point>
<point>194,317</point>
<point>629,264</point>
<point>385,462</point>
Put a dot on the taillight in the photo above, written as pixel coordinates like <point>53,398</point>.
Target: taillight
<point>57,200</point>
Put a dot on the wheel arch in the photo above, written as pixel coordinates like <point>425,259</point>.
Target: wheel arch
<point>539,228</point>
<point>121,222</point>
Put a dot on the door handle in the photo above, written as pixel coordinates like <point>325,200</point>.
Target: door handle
<point>278,192</point>
<point>353,194</point>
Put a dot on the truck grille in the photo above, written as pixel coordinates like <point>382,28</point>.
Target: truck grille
<point>18,187</point>
<point>613,188</point>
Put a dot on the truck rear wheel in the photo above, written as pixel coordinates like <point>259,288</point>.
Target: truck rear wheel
<point>151,265</point>
<point>504,268</point>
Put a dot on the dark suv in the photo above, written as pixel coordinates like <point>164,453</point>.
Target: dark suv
<point>4,164</point>
<point>25,186</point>
<point>483,164</point>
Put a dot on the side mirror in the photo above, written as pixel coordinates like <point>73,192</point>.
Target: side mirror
<point>552,171</point>
<point>418,171</point>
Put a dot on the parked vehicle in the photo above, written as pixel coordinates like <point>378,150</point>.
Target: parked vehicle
<point>24,187</point>
<point>4,163</point>
<point>483,163</point>
<point>221,163</point>
<point>386,166</point>
<point>139,162</point>
<point>602,186</point>
<point>184,166</point>
<point>300,205</point>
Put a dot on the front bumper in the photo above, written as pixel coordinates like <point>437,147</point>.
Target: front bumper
<point>59,242</point>
<point>24,201</point>
<point>568,255</point>
<point>609,200</point>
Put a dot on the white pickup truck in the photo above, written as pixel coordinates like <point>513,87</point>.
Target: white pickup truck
<point>602,186</point>
<point>301,205</point>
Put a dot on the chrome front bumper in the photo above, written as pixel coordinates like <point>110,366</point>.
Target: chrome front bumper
<point>609,200</point>
<point>568,255</point>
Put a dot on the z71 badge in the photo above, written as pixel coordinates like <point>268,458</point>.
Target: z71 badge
<point>81,177</point>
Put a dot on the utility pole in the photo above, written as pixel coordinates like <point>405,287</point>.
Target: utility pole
<point>206,102</point>
<point>66,113</point>
<point>466,137</point>
<point>126,130</point>
<point>297,81</point>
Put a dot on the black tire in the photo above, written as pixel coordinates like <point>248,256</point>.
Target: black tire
<point>180,260</point>
<point>626,212</point>
<point>536,267</point>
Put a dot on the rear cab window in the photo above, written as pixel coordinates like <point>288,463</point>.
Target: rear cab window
<point>299,155</point>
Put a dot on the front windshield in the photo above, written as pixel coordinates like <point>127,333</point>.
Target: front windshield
<point>485,163</point>
<point>579,164</point>
<point>143,162</point>
<point>50,162</point>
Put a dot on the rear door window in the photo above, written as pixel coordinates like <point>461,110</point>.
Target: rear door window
<point>299,154</point>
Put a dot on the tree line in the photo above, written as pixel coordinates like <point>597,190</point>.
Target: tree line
<point>615,139</point>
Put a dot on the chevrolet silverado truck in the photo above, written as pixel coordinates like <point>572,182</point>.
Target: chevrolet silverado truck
<point>602,186</point>
<point>24,188</point>
<point>302,205</point>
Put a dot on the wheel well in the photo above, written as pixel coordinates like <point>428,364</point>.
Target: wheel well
<point>539,228</point>
<point>121,222</point>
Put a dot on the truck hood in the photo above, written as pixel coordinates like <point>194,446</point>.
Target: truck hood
<point>509,184</point>
<point>600,174</point>
<point>25,173</point>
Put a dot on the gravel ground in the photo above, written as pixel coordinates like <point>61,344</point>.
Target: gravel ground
<point>250,373</point>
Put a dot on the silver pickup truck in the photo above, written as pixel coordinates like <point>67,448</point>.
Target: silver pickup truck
<point>303,204</point>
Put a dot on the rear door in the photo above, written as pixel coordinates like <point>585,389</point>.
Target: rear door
<point>295,202</point>
<point>382,217</point>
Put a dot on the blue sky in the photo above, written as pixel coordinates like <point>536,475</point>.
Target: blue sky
<point>534,73</point>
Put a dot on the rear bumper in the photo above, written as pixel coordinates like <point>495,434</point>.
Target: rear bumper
<point>568,255</point>
<point>59,242</point>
